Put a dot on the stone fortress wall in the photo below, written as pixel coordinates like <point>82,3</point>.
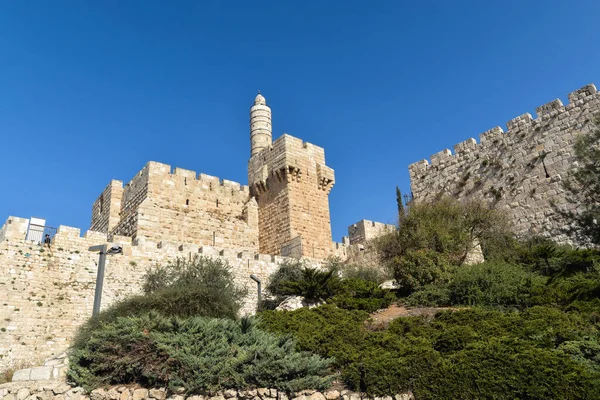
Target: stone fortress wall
<point>47,292</point>
<point>519,170</point>
<point>178,205</point>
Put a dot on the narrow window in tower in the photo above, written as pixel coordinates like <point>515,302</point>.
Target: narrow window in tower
<point>187,202</point>
<point>185,181</point>
<point>102,203</point>
<point>217,203</point>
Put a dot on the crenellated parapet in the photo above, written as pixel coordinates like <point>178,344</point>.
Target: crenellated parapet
<point>519,169</point>
<point>162,202</point>
<point>291,184</point>
<point>288,159</point>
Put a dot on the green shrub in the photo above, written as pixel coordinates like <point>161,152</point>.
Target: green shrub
<point>288,271</point>
<point>196,353</point>
<point>200,287</point>
<point>446,226</point>
<point>501,368</point>
<point>471,354</point>
<point>360,294</point>
<point>419,268</point>
<point>433,295</point>
<point>313,285</point>
<point>492,284</point>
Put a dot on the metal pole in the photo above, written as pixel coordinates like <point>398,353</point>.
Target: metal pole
<point>258,284</point>
<point>99,281</point>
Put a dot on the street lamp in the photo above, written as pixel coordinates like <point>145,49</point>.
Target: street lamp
<point>255,279</point>
<point>103,251</point>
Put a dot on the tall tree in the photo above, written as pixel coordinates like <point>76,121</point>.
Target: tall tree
<point>583,183</point>
<point>400,204</point>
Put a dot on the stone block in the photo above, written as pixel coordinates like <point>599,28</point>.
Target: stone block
<point>158,394</point>
<point>22,394</point>
<point>21,375</point>
<point>41,373</point>
<point>140,394</point>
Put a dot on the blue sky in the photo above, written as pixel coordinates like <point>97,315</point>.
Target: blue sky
<point>90,91</point>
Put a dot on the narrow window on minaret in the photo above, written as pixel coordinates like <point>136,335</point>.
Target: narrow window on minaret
<point>217,202</point>
<point>185,181</point>
<point>187,202</point>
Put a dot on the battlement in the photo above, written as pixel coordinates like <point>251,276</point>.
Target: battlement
<point>156,170</point>
<point>547,114</point>
<point>520,169</point>
<point>364,231</point>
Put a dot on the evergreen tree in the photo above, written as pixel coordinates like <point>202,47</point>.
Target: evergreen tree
<point>400,204</point>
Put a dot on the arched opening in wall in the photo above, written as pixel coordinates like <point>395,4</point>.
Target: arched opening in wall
<point>187,202</point>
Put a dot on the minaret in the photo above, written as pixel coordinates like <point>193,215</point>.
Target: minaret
<point>260,125</point>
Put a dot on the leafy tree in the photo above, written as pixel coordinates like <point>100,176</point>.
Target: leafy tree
<point>583,184</point>
<point>445,226</point>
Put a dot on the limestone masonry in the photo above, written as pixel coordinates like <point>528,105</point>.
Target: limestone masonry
<point>519,170</point>
<point>47,291</point>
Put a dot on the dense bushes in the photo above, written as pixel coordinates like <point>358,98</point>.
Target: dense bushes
<point>194,353</point>
<point>360,294</point>
<point>201,286</point>
<point>539,353</point>
<point>444,226</point>
<point>436,235</point>
<point>350,291</point>
<point>164,338</point>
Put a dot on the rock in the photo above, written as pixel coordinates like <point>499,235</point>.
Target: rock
<point>273,393</point>
<point>196,397</point>
<point>291,303</point>
<point>113,394</point>
<point>21,375</point>
<point>229,393</point>
<point>262,392</point>
<point>316,396</point>
<point>139,394</point>
<point>124,394</point>
<point>390,285</point>
<point>158,394</point>
<point>58,397</point>
<point>9,397</point>
<point>332,395</point>
<point>22,394</point>
<point>41,373</point>
<point>98,394</point>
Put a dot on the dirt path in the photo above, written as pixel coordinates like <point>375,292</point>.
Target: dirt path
<point>381,319</point>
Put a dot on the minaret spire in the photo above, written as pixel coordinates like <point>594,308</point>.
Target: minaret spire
<point>260,125</point>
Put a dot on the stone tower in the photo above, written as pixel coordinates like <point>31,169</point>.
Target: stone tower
<point>260,125</point>
<point>291,184</point>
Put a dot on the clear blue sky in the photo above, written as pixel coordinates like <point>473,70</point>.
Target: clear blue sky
<point>92,90</point>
